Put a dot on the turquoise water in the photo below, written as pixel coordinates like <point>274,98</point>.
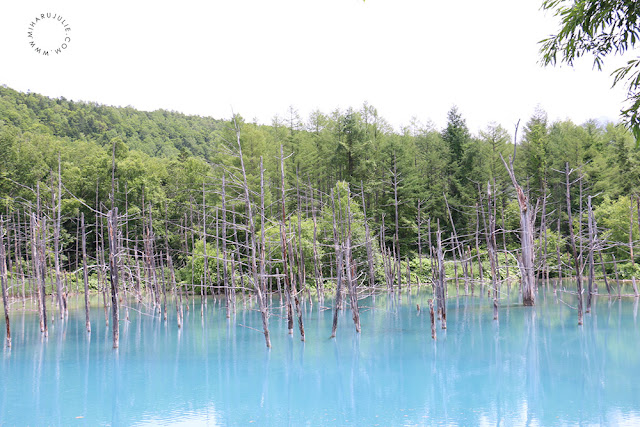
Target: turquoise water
<point>534,366</point>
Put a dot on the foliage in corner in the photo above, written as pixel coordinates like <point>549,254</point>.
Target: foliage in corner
<point>599,27</point>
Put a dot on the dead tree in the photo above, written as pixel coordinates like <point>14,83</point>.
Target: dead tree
<point>227,296</point>
<point>633,262</point>
<point>351,273</point>
<point>252,233</point>
<point>85,274</point>
<point>442,282</point>
<point>301,266</point>
<point>493,251</point>
<point>262,274</point>
<point>113,268</point>
<point>367,235</point>
<point>477,234</point>
<point>3,282</point>
<point>527,214</point>
<point>56,243</point>
<point>433,320</point>
<point>317,266</point>
<point>396,237</point>
<point>504,246</point>
<point>38,249</point>
<point>339,267</point>
<point>419,223</point>
<point>205,275</point>
<point>592,245</point>
<point>577,260</point>
<point>284,246</point>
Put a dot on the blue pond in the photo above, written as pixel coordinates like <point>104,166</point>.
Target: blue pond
<point>534,366</point>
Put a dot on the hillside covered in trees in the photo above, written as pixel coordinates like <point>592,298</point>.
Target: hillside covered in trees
<point>163,163</point>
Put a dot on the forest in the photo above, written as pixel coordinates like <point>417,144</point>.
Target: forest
<point>134,205</point>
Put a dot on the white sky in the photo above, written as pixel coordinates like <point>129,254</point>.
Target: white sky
<point>405,57</point>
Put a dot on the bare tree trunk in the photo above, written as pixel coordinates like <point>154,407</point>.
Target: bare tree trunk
<point>264,309</point>
<point>455,265</point>
<point>419,242</point>
<point>85,274</point>
<point>615,269</point>
<point>350,269</point>
<point>442,282</point>
<point>633,262</point>
<point>576,260</point>
<point>470,260</point>
<point>3,281</point>
<point>338,251</point>
<point>431,263</point>
<point>396,239</point>
<point>293,288</point>
<point>19,269</point>
<point>504,246</point>
<point>543,226</point>
<point>102,287</point>
<point>316,259</point>
<point>492,249</point>
<point>591,250</point>
<point>138,286</point>
<point>302,279</point>
<point>164,287</point>
<point>526,234</point>
<point>433,320</point>
<point>205,281</point>
<point>283,241</point>
<point>113,267</point>
<point>175,291</point>
<point>227,296</point>
<point>252,233</point>
<point>56,244</point>
<point>480,268</point>
<point>37,272</point>
<point>367,235</point>
<point>278,284</point>
<point>558,255</point>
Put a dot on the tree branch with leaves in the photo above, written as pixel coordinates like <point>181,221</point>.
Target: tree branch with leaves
<point>600,28</point>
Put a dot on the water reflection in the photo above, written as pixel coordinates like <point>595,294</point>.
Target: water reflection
<point>533,366</point>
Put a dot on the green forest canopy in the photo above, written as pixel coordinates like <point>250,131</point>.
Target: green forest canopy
<point>163,157</point>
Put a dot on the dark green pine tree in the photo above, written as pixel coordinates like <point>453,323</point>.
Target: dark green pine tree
<point>456,134</point>
<point>457,137</point>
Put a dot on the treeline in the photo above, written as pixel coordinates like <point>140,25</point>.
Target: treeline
<point>114,198</point>
<point>162,160</point>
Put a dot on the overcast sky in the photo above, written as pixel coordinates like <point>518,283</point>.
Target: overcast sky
<point>405,57</point>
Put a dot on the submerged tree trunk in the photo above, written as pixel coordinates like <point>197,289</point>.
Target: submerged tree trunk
<point>433,320</point>
<point>367,236</point>
<point>338,251</point>
<point>591,250</point>
<point>526,235</point>
<point>256,279</point>
<point>493,253</point>
<point>40,269</point>
<point>284,245</point>
<point>442,282</point>
<point>576,259</point>
<point>113,267</point>
<point>351,273</point>
<point>85,274</point>
<point>264,309</point>
<point>3,282</point>
<point>56,243</point>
